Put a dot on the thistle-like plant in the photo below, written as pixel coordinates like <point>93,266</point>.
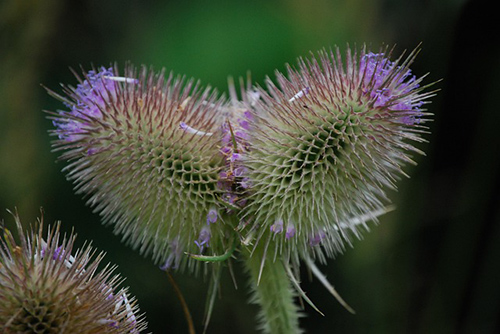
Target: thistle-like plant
<point>146,170</point>
<point>45,289</point>
<point>282,175</point>
<point>326,145</point>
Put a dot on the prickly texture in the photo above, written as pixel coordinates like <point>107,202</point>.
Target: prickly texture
<point>44,289</point>
<point>326,145</point>
<point>273,292</point>
<point>136,156</point>
<point>286,174</point>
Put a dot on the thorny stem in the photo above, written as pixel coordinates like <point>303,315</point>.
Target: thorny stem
<point>273,293</point>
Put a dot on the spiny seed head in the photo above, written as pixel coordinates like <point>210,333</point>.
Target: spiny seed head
<point>326,145</point>
<point>46,289</point>
<point>143,149</point>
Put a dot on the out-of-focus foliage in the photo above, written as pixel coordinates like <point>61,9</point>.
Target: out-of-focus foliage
<point>430,267</point>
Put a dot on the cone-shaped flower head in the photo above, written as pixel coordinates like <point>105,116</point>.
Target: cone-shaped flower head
<point>46,289</point>
<point>326,145</point>
<point>143,150</point>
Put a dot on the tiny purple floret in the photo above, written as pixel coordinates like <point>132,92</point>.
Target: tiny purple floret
<point>90,96</point>
<point>58,253</point>
<point>203,238</point>
<point>376,69</point>
<point>212,216</point>
<point>229,198</point>
<point>225,150</point>
<point>235,157</point>
<point>245,183</point>
<point>316,238</point>
<point>240,171</point>
<point>248,115</point>
<point>173,259</point>
<point>277,227</point>
<point>290,231</point>
<point>244,124</point>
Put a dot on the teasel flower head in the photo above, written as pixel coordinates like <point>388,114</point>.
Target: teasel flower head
<point>48,287</point>
<point>144,148</point>
<point>326,144</point>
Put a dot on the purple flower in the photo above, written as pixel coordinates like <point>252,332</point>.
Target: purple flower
<point>316,238</point>
<point>290,231</point>
<point>376,70</point>
<point>225,150</point>
<point>91,96</point>
<point>203,239</point>
<point>245,183</point>
<point>240,171</point>
<point>244,124</point>
<point>277,227</point>
<point>241,135</point>
<point>212,216</point>
<point>230,198</point>
<point>235,157</point>
<point>58,253</point>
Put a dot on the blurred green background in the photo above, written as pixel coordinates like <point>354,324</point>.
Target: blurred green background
<point>432,266</point>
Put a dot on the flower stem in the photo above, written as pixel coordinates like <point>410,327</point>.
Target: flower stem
<point>273,292</point>
<point>185,308</point>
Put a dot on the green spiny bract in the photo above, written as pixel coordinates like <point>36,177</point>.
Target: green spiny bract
<point>326,145</point>
<point>44,289</point>
<point>146,154</point>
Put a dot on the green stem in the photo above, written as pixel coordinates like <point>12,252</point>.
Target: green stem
<point>273,293</point>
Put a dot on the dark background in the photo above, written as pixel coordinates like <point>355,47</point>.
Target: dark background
<point>432,266</point>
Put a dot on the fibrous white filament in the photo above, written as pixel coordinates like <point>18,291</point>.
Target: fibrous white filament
<point>122,79</point>
<point>361,220</point>
<point>300,94</point>
<point>189,129</point>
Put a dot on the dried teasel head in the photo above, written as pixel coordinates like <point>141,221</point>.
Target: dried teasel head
<point>46,286</point>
